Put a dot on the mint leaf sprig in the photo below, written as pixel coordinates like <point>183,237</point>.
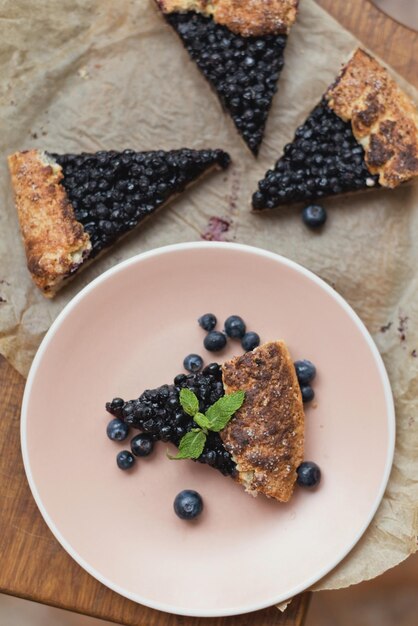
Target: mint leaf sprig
<point>215,419</point>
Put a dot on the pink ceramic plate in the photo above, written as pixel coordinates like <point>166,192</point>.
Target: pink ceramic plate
<point>129,330</point>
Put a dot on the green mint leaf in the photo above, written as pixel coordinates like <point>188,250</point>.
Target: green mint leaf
<point>189,402</point>
<point>191,445</point>
<point>201,420</point>
<point>221,412</point>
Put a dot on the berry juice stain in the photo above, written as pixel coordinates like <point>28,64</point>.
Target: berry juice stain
<point>233,198</point>
<point>385,327</point>
<point>216,229</point>
<point>403,326</point>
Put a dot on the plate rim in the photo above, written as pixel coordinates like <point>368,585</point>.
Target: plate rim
<point>138,258</point>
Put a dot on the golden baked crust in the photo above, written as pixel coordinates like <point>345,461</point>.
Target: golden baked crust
<point>266,435</point>
<point>244,17</point>
<point>383,118</point>
<point>55,243</point>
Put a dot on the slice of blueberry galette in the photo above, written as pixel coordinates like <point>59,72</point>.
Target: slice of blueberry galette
<point>262,446</point>
<point>73,206</point>
<point>362,135</point>
<point>238,45</point>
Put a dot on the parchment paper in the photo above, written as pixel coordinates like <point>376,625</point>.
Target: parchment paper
<point>97,74</point>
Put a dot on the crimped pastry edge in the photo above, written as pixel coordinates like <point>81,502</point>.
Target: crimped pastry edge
<point>55,242</point>
<point>383,118</point>
<point>244,17</point>
<point>275,481</point>
<point>62,281</point>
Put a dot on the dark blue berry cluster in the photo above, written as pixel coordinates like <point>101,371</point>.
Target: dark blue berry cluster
<point>324,159</point>
<point>235,328</point>
<point>243,70</point>
<point>308,472</point>
<point>111,192</point>
<point>305,372</point>
<point>118,430</point>
<point>159,415</point>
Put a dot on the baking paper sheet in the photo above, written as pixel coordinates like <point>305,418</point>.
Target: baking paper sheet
<point>97,74</point>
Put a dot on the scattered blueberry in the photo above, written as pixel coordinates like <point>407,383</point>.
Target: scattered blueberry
<point>309,474</point>
<point>308,393</point>
<point>193,363</point>
<point>250,341</point>
<point>117,430</point>
<point>125,460</point>
<point>142,444</point>
<point>235,327</point>
<point>314,216</point>
<point>214,341</point>
<point>207,321</point>
<point>305,371</point>
<point>188,504</point>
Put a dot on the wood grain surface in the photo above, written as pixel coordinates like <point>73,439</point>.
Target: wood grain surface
<point>33,565</point>
<point>395,44</point>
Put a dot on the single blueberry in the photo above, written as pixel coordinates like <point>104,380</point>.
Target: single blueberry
<point>165,433</point>
<point>250,341</point>
<point>193,363</point>
<point>305,371</point>
<point>125,460</point>
<point>314,216</point>
<point>214,341</point>
<point>142,444</point>
<point>309,474</point>
<point>117,430</point>
<point>213,369</point>
<point>117,403</point>
<point>115,407</point>
<point>188,504</point>
<point>235,327</point>
<point>308,393</point>
<point>207,321</point>
<point>180,379</point>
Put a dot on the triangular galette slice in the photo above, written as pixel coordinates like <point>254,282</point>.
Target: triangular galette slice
<point>262,446</point>
<point>239,48</point>
<point>73,206</point>
<point>266,436</point>
<point>362,135</point>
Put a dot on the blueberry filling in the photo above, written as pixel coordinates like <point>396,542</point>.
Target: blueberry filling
<point>111,192</point>
<point>159,413</point>
<point>323,159</point>
<point>243,70</point>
